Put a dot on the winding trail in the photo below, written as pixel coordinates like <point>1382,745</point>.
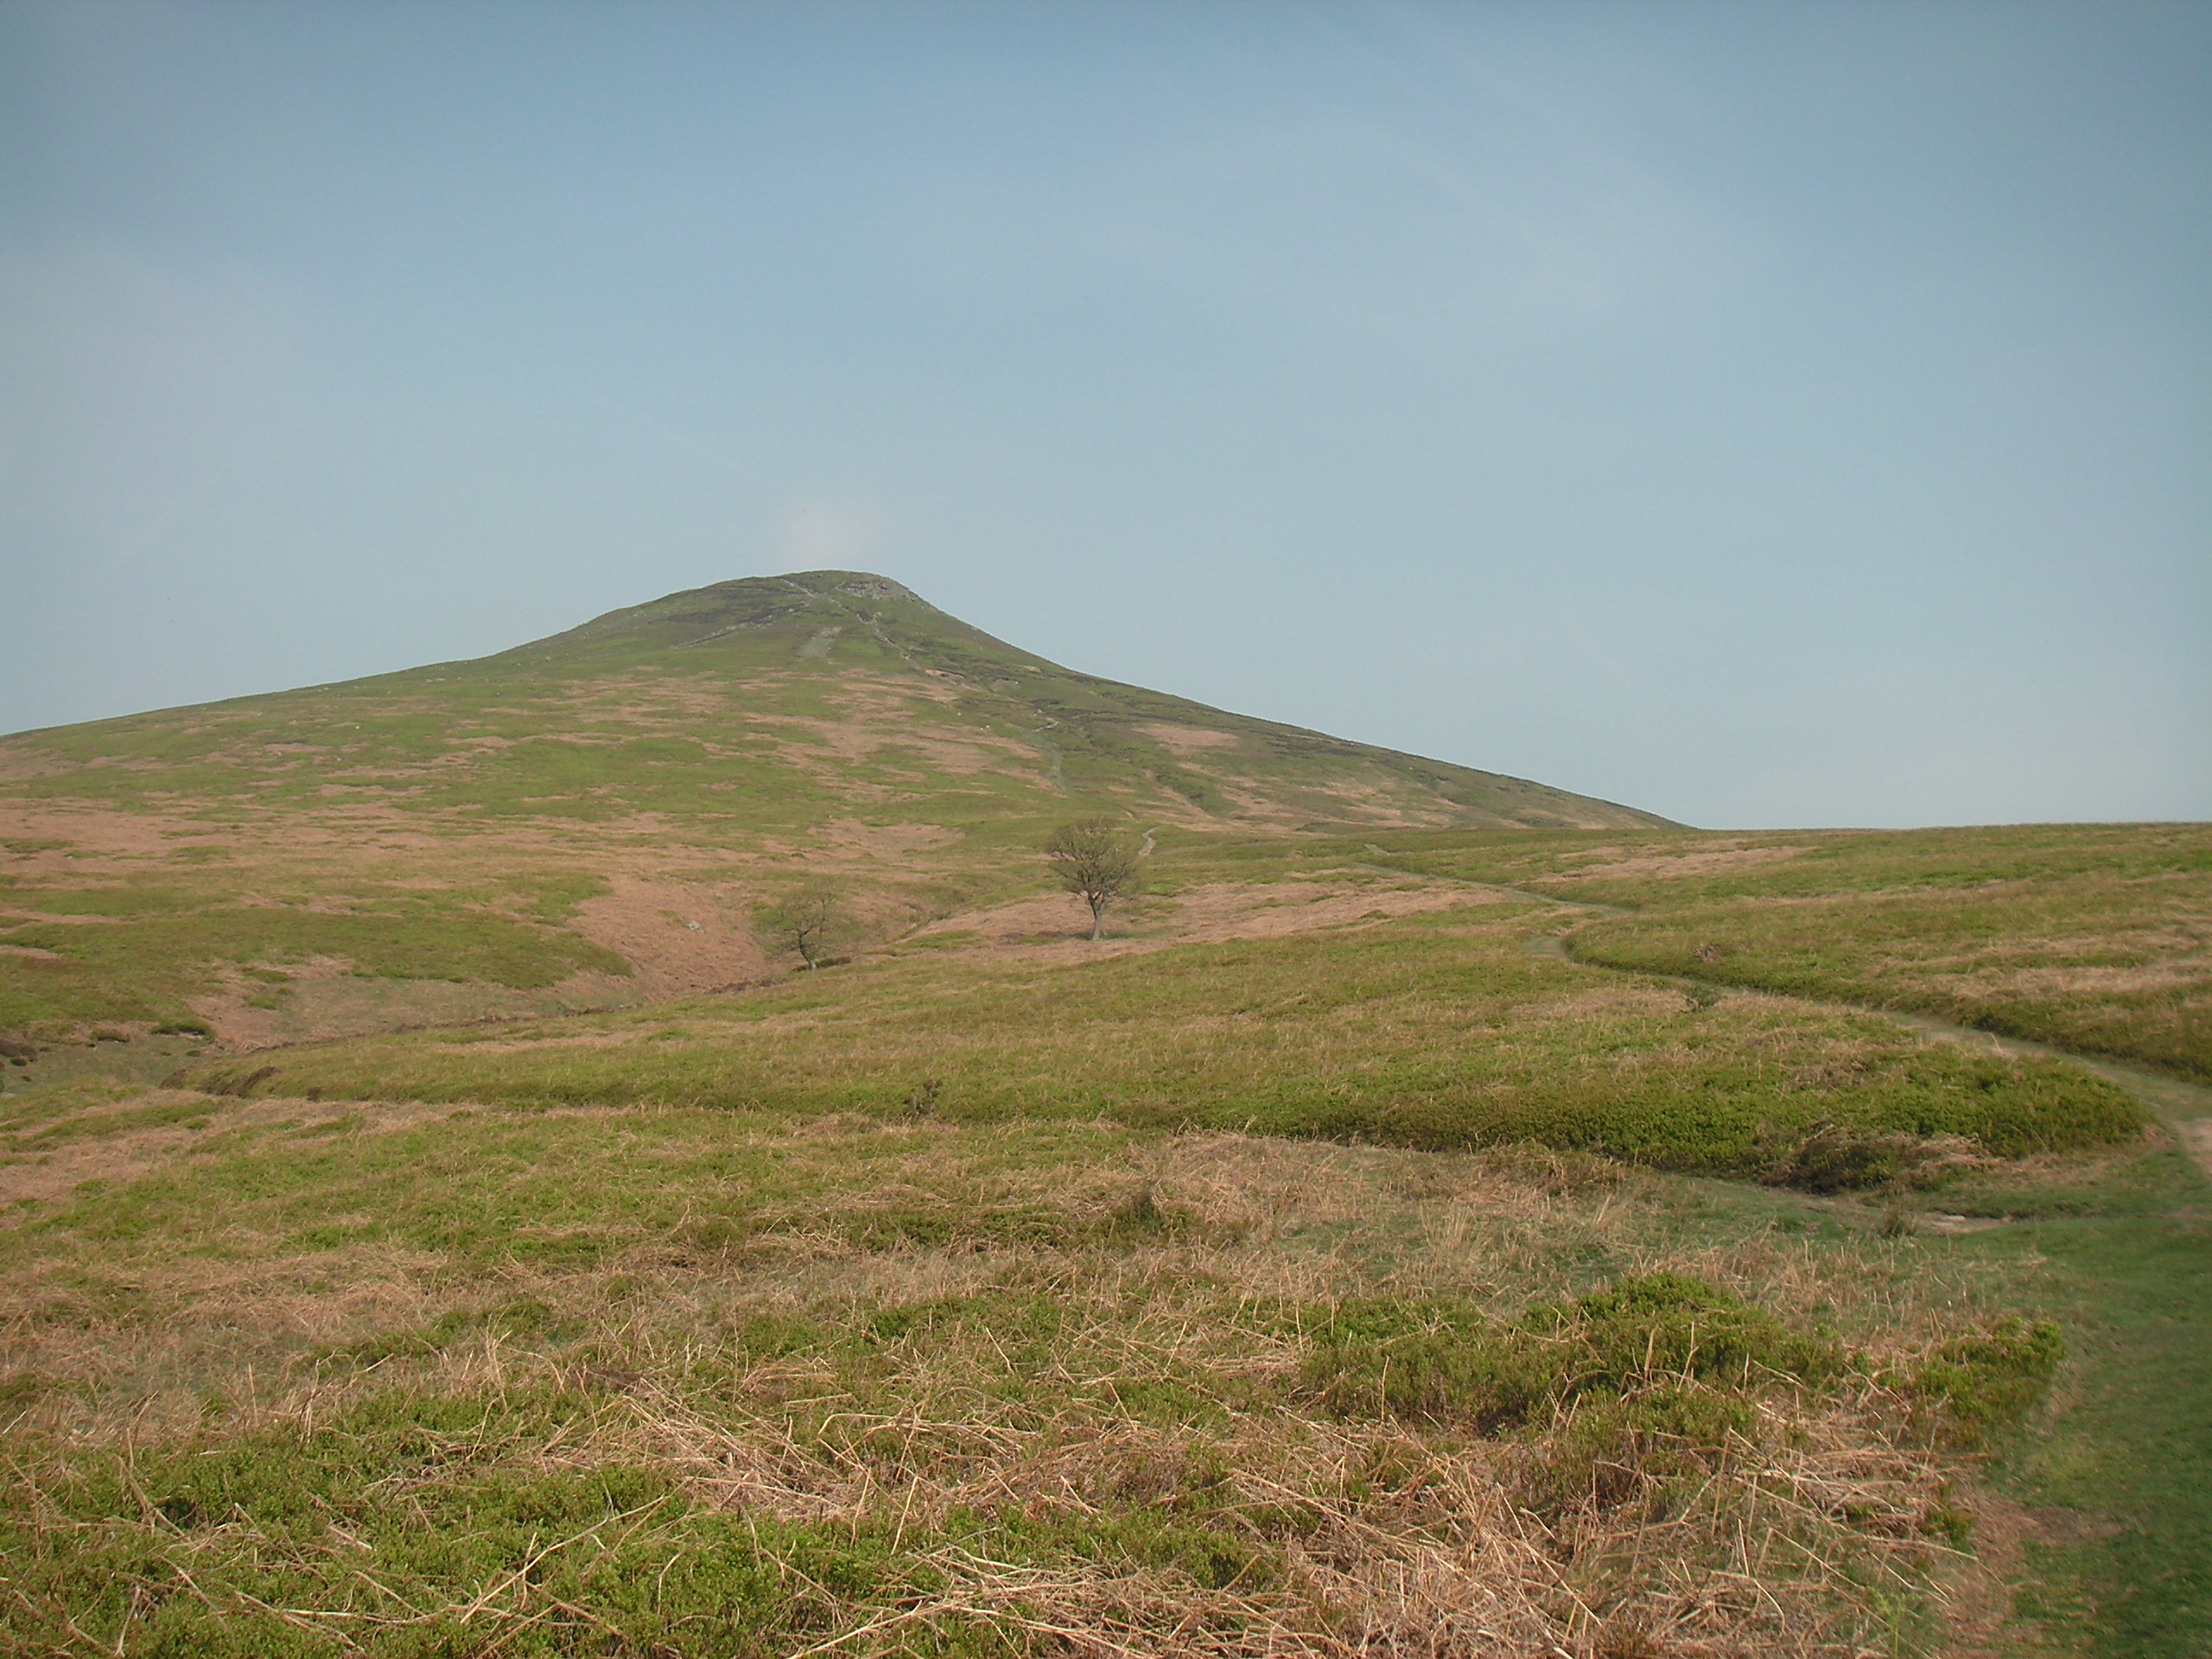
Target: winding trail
<point>2185,1107</point>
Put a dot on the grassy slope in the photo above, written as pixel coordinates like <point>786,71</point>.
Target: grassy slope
<point>2095,938</point>
<point>1096,734</point>
<point>444,825</point>
<point>1438,1030</point>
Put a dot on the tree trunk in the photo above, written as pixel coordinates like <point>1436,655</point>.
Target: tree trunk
<point>1097,922</point>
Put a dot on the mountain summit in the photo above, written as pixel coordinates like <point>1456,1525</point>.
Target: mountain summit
<point>923,708</point>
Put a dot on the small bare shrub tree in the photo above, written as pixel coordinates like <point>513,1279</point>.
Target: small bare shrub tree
<point>802,923</point>
<point>1096,858</point>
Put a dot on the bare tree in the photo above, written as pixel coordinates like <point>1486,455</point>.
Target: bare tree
<point>802,923</point>
<point>1096,858</point>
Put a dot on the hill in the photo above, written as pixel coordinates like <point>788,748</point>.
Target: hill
<point>588,818</point>
<point>1445,1215</point>
<point>777,703</point>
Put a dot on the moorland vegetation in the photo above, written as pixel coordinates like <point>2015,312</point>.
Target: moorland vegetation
<point>1446,1215</point>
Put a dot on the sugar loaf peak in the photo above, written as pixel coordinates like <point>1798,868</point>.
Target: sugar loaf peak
<point>593,817</point>
<point>780,704</point>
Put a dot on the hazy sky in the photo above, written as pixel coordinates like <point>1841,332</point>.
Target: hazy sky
<point>1766,414</point>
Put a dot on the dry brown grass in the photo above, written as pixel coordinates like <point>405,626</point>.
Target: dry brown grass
<point>1775,1551</point>
<point>1403,1538</point>
<point>1706,861</point>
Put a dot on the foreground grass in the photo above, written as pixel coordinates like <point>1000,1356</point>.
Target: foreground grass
<point>658,1380</point>
<point>2124,1469</point>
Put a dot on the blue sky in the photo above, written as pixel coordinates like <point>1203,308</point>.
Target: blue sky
<point>1766,415</point>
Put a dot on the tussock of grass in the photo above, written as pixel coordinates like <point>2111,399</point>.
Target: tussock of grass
<point>1642,1339</point>
<point>1990,1377</point>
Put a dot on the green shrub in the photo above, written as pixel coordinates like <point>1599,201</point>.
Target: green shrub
<point>1611,1452</point>
<point>1840,1158</point>
<point>1646,1337</point>
<point>1990,1377</point>
<point>1668,1325</point>
<point>1427,1361</point>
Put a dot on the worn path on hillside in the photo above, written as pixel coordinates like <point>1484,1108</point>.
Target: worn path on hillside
<point>2184,1107</point>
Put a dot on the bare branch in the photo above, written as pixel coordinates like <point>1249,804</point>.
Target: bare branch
<point>1097,859</point>
<point>802,923</point>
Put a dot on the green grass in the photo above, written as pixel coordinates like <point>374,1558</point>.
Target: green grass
<point>1436,1031</point>
<point>761,1387</point>
<point>138,947</point>
<point>145,968</point>
<point>2131,1454</point>
<point>2092,937</point>
<point>1647,1340</point>
<point>489,1544</point>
